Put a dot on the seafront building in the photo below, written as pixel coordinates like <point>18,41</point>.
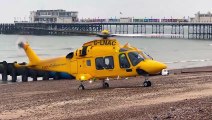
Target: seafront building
<point>202,17</point>
<point>53,16</point>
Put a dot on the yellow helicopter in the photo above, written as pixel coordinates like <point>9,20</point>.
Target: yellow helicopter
<point>99,59</point>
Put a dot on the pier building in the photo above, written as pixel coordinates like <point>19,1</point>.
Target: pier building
<point>202,17</point>
<point>53,16</point>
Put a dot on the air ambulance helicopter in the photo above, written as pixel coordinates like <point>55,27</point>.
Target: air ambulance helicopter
<point>99,59</point>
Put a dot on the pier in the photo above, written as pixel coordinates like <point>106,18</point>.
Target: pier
<point>183,29</point>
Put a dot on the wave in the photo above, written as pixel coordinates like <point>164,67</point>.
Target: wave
<point>53,48</point>
<point>66,49</point>
<point>7,50</point>
<point>22,56</point>
<point>186,61</point>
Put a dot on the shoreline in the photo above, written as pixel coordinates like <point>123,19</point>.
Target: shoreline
<point>190,70</point>
<point>176,96</point>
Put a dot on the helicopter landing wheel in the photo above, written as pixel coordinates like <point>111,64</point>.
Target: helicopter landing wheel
<point>106,85</point>
<point>147,83</point>
<point>81,87</point>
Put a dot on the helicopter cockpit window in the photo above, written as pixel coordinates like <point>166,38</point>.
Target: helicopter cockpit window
<point>109,63</point>
<point>100,63</point>
<point>124,63</point>
<point>135,58</point>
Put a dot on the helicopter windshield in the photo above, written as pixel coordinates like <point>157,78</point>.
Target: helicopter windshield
<point>135,58</point>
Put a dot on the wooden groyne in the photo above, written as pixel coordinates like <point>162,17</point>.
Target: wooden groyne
<point>8,69</point>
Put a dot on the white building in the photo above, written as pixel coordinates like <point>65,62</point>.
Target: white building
<point>203,18</point>
<point>53,16</point>
<point>126,19</point>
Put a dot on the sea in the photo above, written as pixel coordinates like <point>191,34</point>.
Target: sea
<point>176,53</point>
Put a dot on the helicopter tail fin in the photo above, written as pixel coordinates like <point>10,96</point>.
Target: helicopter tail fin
<point>32,56</point>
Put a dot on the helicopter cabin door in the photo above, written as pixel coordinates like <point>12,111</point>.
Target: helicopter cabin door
<point>124,65</point>
<point>104,66</point>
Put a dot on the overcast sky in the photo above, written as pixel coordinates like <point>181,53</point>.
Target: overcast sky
<point>19,9</point>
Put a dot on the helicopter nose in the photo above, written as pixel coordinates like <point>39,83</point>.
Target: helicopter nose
<point>152,66</point>
<point>159,67</point>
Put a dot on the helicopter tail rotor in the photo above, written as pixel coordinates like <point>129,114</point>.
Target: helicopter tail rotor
<point>32,56</point>
<point>21,44</point>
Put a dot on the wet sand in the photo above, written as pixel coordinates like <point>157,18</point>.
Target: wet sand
<point>181,95</point>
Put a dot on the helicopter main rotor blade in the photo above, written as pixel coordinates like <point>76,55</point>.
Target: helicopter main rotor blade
<point>63,30</point>
<point>147,35</point>
<point>105,35</point>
